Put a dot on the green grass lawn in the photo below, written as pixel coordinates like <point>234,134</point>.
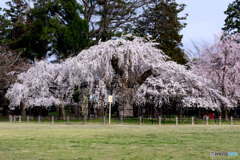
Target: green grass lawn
<point>75,141</point>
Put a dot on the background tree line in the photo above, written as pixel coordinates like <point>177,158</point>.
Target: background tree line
<point>65,27</point>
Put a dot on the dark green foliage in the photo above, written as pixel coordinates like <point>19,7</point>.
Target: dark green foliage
<point>161,21</point>
<point>17,10</point>
<point>3,29</point>
<point>35,36</point>
<point>51,27</point>
<point>12,22</point>
<point>232,22</point>
<point>71,30</point>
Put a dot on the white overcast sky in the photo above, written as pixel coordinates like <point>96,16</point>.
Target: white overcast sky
<point>206,18</point>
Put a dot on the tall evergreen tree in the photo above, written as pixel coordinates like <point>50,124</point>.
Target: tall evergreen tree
<point>232,22</point>
<point>71,30</point>
<point>51,27</point>
<point>161,21</point>
<point>3,29</point>
<point>27,31</point>
<point>17,10</point>
<point>13,19</point>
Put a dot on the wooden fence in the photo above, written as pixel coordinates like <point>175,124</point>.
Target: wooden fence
<point>120,120</point>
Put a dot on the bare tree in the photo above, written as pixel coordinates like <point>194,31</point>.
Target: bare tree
<point>11,64</point>
<point>106,17</point>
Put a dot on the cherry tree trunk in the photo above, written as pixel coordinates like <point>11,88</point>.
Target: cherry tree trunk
<point>226,113</point>
<point>77,111</point>
<point>23,111</point>
<point>85,105</point>
<point>125,104</point>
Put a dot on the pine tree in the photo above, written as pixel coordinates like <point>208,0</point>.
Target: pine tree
<point>232,22</point>
<point>13,18</point>
<point>161,21</point>
<point>71,30</point>
<point>3,29</point>
<point>51,27</point>
<point>17,10</point>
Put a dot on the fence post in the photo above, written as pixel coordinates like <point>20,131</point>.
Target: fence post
<point>20,119</point>
<point>104,120</point>
<point>52,119</point>
<point>39,119</point>
<point>206,120</point>
<point>231,120</point>
<point>159,120</point>
<point>84,119</point>
<point>220,120</point>
<point>27,119</point>
<point>68,120</point>
<point>10,118</point>
<point>192,120</point>
<point>121,119</point>
<point>176,120</point>
<point>140,120</point>
<point>14,119</point>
